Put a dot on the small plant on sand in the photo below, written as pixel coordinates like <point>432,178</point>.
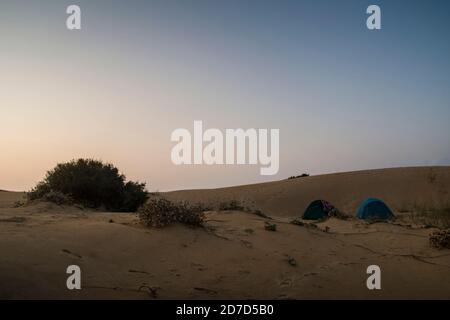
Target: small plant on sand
<point>235,205</point>
<point>291,261</point>
<point>431,177</point>
<point>433,216</point>
<point>335,213</point>
<point>18,204</point>
<point>160,212</point>
<point>403,209</point>
<point>232,205</point>
<point>249,231</point>
<point>440,239</point>
<point>270,226</point>
<point>304,224</point>
<point>259,213</point>
<point>91,183</point>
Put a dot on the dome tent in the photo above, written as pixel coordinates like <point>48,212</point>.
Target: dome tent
<point>317,210</point>
<point>374,209</point>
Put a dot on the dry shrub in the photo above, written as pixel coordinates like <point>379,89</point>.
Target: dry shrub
<point>232,205</point>
<point>338,214</point>
<point>160,212</point>
<point>304,224</point>
<point>58,198</point>
<point>18,204</point>
<point>440,239</point>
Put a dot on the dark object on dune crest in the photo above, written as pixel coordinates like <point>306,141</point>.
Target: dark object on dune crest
<point>161,212</point>
<point>440,239</point>
<point>92,184</point>
<point>303,175</point>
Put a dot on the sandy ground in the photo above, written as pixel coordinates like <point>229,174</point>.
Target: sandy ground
<point>233,256</point>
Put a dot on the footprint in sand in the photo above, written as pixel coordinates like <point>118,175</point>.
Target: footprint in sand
<point>199,266</point>
<point>286,282</point>
<point>72,254</point>
<point>310,274</point>
<point>138,271</point>
<point>247,244</point>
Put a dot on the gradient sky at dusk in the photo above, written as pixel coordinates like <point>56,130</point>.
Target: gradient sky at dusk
<point>344,97</point>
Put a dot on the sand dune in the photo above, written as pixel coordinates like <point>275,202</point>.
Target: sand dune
<point>233,256</point>
<point>401,188</point>
<point>7,199</point>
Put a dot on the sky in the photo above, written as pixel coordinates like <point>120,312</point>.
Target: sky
<point>343,97</point>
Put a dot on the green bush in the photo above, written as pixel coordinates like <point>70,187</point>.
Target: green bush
<point>91,183</point>
<point>160,212</point>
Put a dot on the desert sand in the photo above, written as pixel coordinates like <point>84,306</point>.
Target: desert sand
<point>233,256</point>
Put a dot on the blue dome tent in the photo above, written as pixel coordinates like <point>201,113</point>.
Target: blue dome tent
<point>374,209</point>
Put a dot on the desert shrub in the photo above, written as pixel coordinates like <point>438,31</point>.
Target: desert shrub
<point>160,212</point>
<point>300,223</point>
<point>58,198</point>
<point>18,204</point>
<point>336,213</point>
<point>440,239</point>
<point>259,213</point>
<point>432,216</point>
<point>235,205</point>
<point>134,196</point>
<point>91,183</point>
<point>39,191</point>
<point>232,205</point>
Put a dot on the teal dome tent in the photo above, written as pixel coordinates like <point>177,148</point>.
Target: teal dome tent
<point>374,209</point>
<point>317,210</point>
